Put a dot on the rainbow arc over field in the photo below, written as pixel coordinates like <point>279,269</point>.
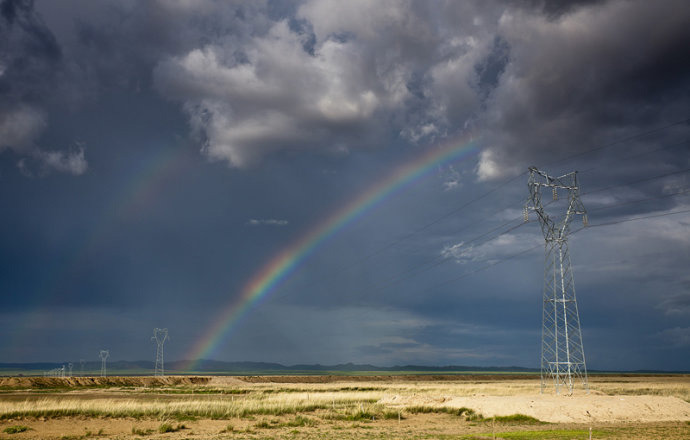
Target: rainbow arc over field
<point>288,260</point>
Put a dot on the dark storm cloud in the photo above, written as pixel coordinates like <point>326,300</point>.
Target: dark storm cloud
<point>537,79</point>
<point>31,68</point>
<point>595,73</point>
<point>29,61</point>
<point>119,43</point>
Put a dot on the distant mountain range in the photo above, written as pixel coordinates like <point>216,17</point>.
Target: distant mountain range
<point>247,368</point>
<point>209,365</point>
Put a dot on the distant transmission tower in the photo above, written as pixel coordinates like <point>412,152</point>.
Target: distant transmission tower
<point>562,352</point>
<point>104,355</point>
<point>70,366</point>
<point>159,335</point>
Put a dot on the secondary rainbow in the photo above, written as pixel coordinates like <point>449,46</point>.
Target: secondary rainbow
<point>278,268</point>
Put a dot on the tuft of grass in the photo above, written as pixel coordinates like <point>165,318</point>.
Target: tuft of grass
<point>89,433</point>
<point>297,422</point>
<point>263,425</point>
<point>16,429</point>
<point>227,429</point>
<point>167,427</point>
<point>390,415</point>
<point>300,421</point>
<point>138,431</point>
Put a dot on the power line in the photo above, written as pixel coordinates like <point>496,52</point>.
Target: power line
<point>635,182</point>
<point>510,180</point>
<point>685,191</point>
<point>620,141</point>
<point>433,263</point>
<point>494,263</point>
<point>642,153</point>
<point>639,218</point>
<point>501,185</point>
<point>439,219</point>
<point>426,226</point>
<point>443,259</point>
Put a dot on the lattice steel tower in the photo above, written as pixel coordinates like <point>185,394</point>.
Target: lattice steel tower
<point>562,352</point>
<point>104,355</point>
<point>159,335</point>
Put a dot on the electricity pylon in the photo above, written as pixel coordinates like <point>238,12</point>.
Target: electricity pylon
<point>562,351</point>
<point>104,354</point>
<point>159,335</point>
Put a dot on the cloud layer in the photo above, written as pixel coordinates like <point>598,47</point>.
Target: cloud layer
<point>31,64</point>
<point>536,83</point>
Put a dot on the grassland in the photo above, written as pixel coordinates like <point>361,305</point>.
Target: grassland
<point>392,408</point>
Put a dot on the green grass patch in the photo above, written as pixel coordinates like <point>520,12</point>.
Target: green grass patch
<point>469,414</point>
<point>227,429</point>
<point>167,427</point>
<point>140,431</point>
<point>521,419</point>
<point>359,415</point>
<point>264,425</point>
<point>391,415</point>
<point>15,429</point>
<point>300,421</point>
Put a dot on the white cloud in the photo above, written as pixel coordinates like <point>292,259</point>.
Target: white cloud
<point>270,221</point>
<point>72,162</point>
<point>19,127</point>
<point>19,130</point>
<point>276,95</point>
<point>499,247</point>
<point>451,178</point>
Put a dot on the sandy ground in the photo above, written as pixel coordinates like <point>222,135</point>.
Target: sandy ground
<point>421,426</point>
<point>561,409</point>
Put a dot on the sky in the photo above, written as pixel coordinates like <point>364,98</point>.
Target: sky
<point>322,181</point>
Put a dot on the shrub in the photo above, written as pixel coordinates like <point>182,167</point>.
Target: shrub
<point>15,429</point>
<point>167,427</point>
<point>138,431</point>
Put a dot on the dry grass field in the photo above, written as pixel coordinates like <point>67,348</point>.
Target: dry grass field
<point>338,407</point>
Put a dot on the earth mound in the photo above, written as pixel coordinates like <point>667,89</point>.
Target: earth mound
<point>97,381</point>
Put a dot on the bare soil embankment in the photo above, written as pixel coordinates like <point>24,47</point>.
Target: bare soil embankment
<point>110,381</point>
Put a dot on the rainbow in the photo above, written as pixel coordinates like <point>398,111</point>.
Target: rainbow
<point>283,264</point>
